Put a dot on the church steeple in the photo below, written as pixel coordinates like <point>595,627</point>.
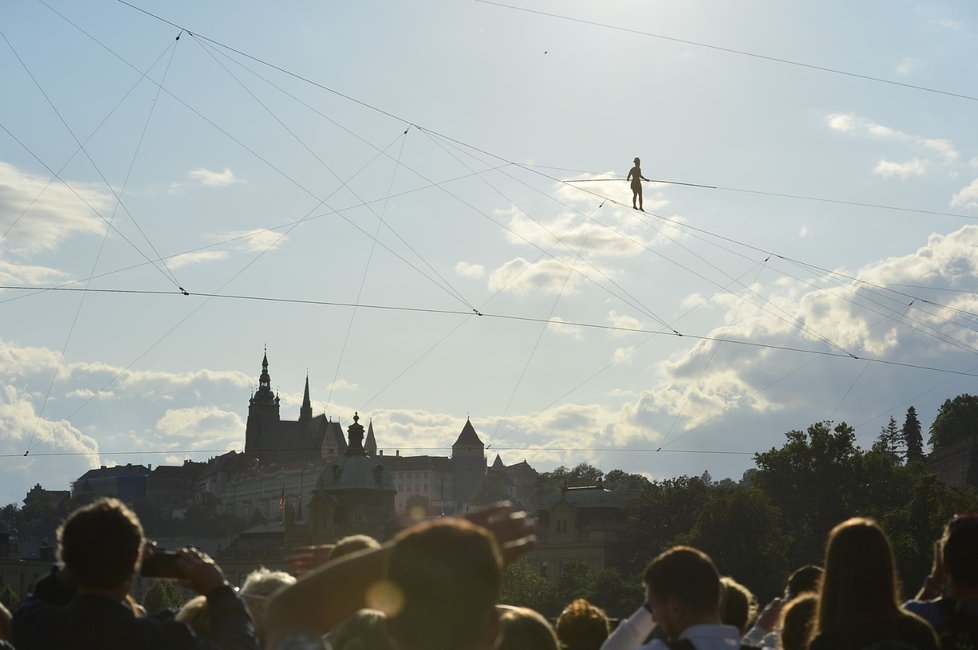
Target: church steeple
<point>305,411</point>
<point>370,446</point>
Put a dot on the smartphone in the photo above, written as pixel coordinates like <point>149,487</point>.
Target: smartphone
<point>160,564</point>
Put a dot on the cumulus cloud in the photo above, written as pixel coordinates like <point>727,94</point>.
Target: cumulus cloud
<point>889,169</point>
<point>574,234</point>
<point>713,378</point>
<point>557,325</point>
<point>201,427</point>
<point>214,179</point>
<point>30,275</point>
<point>23,430</point>
<point>199,257</point>
<point>38,216</point>
<point>967,198</point>
<point>343,384</point>
<point>469,270</point>
<point>851,124</point>
<point>520,276</point>
<point>623,321</point>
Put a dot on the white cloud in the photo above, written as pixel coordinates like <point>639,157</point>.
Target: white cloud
<point>254,241</point>
<point>966,198</point>
<point>214,179</point>
<point>558,325</point>
<point>623,355</point>
<point>38,216</point>
<point>908,65</point>
<point>623,321</point>
<point>199,257</point>
<point>25,274</point>
<point>343,384</point>
<point>469,270</point>
<point>851,124</point>
<point>805,231</point>
<point>889,169</point>
<point>201,427</point>
<point>549,276</point>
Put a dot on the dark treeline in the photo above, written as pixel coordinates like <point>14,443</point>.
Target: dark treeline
<point>776,518</point>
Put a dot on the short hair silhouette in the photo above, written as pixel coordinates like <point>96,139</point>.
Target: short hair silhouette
<point>797,620</point>
<point>447,573</point>
<point>365,630</point>
<point>961,550</point>
<point>524,629</point>
<point>802,580</point>
<point>582,626</point>
<point>738,606</point>
<point>686,574</point>
<point>352,544</point>
<point>99,545</point>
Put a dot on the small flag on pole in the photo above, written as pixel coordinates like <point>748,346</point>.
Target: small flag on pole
<point>281,500</point>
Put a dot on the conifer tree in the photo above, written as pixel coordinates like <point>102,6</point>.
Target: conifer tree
<point>891,439</point>
<point>913,440</point>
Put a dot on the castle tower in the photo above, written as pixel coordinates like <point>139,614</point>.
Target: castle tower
<point>468,463</point>
<point>262,408</point>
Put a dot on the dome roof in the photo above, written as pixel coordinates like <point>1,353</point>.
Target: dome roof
<point>355,470</point>
<point>585,497</point>
<point>357,473</point>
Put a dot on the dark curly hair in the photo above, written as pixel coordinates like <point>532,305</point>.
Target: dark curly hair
<point>99,544</point>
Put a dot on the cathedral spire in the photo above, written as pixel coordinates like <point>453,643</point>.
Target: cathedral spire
<point>305,411</point>
<point>370,445</point>
<point>264,394</point>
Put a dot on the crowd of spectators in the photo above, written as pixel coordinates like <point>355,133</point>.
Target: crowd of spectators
<point>435,586</point>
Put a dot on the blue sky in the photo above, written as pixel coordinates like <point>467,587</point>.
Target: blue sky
<point>298,183</point>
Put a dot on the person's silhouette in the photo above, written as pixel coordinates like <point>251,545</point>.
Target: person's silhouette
<point>635,176</point>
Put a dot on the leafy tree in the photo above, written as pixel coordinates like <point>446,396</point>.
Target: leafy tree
<point>743,532</point>
<point>162,594</point>
<point>913,441</point>
<point>9,597</point>
<point>617,596</point>
<point>550,482</point>
<point>956,420</point>
<point>491,489</point>
<point>522,587</point>
<point>663,513</point>
<point>633,488</point>
<point>813,479</point>
<point>575,582</point>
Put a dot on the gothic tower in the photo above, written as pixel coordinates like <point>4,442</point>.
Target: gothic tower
<point>262,409</point>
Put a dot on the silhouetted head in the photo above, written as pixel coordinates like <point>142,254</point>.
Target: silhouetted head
<point>582,626</point>
<point>637,161</point>
<point>803,580</point>
<point>353,544</point>
<point>961,550</point>
<point>797,619</point>
<point>99,545</point>
<point>365,630</point>
<point>682,586</point>
<point>447,575</point>
<point>258,588</point>
<point>859,584</point>
<point>738,606</point>
<point>524,629</point>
